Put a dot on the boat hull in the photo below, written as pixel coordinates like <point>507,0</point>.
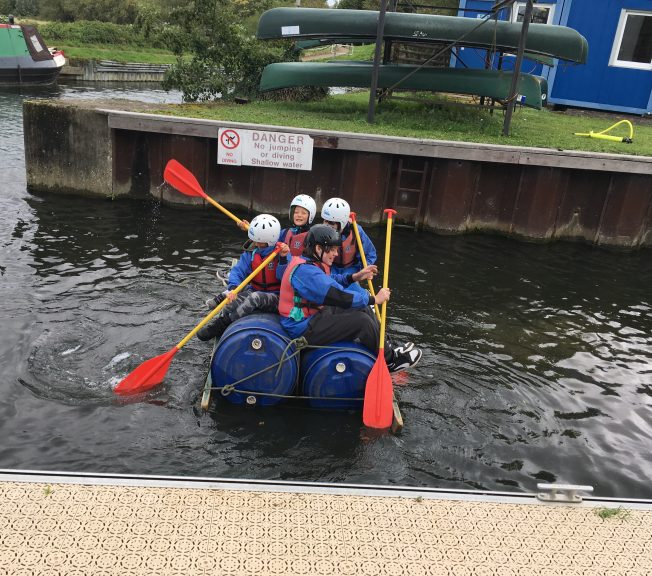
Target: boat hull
<point>32,73</point>
<point>545,39</point>
<point>533,90</point>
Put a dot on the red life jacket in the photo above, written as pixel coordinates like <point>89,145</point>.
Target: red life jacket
<point>295,241</point>
<point>266,280</point>
<point>288,299</point>
<point>346,254</point>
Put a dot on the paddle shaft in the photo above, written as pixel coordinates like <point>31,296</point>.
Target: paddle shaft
<point>226,301</point>
<point>364,260</point>
<point>388,241</point>
<point>224,210</point>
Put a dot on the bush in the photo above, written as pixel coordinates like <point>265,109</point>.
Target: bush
<point>225,61</point>
<point>102,33</point>
<point>115,11</point>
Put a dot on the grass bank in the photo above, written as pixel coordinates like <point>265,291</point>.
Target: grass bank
<point>438,119</point>
<point>127,54</point>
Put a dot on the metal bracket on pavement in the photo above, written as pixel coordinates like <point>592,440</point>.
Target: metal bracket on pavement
<point>562,492</point>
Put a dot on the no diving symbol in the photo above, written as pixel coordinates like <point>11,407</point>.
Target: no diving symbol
<point>230,139</point>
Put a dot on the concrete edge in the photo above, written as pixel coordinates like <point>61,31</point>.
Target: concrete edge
<point>204,483</point>
<point>328,139</point>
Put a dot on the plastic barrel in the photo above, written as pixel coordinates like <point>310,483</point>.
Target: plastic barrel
<point>247,346</point>
<point>339,371</point>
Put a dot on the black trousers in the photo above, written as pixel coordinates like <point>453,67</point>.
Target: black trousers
<point>333,324</point>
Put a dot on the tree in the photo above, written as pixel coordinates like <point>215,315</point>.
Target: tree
<point>116,11</point>
<point>225,61</point>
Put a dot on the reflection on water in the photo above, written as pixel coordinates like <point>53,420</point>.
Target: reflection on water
<point>537,358</point>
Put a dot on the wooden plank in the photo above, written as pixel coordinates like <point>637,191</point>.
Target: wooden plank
<point>397,417</point>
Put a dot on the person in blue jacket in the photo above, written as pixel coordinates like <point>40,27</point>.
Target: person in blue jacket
<point>315,303</point>
<point>262,293</point>
<point>302,212</point>
<point>336,214</point>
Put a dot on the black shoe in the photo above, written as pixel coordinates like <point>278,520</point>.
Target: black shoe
<point>214,329</point>
<point>403,360</point>
<point>212,303</point>
<point>405,348</point>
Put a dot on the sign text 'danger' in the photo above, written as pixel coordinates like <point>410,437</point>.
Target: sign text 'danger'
<point>264,149</point>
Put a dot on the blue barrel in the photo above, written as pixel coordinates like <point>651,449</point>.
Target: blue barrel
<point>339,371</point>
<point>247,346</point>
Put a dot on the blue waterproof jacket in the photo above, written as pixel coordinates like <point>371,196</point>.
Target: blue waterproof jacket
<point>314,285</point>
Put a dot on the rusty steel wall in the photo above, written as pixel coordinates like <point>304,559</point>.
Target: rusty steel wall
<point>444,195</point>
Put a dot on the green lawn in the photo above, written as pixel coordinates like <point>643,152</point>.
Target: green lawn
<point>435,120</point>
<point>127,54</point>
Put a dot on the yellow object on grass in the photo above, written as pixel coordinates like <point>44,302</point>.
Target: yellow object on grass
<point>604,136</point>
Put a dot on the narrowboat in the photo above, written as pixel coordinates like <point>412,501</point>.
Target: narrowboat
<point>25,59</point>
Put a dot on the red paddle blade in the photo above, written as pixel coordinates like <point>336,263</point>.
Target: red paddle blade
<point>147,375</point>
<point>377,411</point>
<point>179,177</point>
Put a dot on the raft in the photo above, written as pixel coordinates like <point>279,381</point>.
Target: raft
<point>256,363</point>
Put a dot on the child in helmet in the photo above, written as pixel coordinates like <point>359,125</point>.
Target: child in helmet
<point>315,304</point>
<point>302,212</point>
<point>335,213</point>
<point>262,293</point>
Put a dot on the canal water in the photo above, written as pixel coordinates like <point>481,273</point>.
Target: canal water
<point>537,361</point>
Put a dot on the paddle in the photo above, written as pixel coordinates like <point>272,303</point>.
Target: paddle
<point>151,372</point>
<point>377,408</point>
<point>364,260</point>
<point>179,177</point>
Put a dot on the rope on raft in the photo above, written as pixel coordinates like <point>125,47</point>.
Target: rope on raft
<point>300,344</point>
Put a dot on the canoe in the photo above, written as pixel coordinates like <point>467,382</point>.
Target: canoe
<point>533,90</point>
<point>25,59</point>
<point>304,23</point>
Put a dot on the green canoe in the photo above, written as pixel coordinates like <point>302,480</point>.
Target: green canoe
<point>533,90</point>
<point>358,25</point>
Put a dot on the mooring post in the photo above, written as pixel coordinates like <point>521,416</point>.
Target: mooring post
<point>513,91</point>
<point>374,72</point>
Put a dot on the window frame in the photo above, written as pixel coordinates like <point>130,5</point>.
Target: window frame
<point>517,5</point>
<point>618,41</point>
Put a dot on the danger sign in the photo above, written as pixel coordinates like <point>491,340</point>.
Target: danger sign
<point>264,149</point>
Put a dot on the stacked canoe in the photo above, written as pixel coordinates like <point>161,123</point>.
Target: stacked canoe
<point>326,26</point>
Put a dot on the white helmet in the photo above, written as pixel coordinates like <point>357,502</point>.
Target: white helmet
<point>264,228</point>
<point>336,210</point>
<point>306,202</point>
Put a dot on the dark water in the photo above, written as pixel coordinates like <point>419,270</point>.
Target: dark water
<point>537,358</point>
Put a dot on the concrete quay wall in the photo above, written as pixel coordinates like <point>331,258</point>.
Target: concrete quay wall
<point>120,149</point>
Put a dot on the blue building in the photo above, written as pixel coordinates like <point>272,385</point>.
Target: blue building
<point>618,73</point>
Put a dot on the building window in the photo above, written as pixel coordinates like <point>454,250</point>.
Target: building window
<point>633,42</point>
<point>541,13</point>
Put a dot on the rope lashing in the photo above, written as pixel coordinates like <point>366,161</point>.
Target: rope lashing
<point>299,344</point>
